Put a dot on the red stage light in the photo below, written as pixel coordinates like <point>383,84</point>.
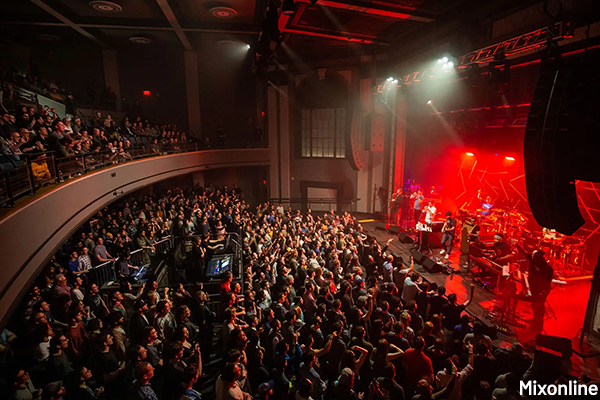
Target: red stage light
<point>509,158</point>
<point>146,93</point>
<point>470,154</point>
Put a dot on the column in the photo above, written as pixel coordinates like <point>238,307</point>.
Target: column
<point>284,140</point>
<point>193,91</point>
<point>398,164</point>
<point>273,128</point>
<point>111,73</point>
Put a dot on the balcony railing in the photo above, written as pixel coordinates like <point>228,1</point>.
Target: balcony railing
<point>35,170</point>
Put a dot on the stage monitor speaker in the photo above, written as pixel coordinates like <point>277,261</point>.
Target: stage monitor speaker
<point>395,229</point>
<point>418,257</point>
<point>380,226</point>
<point>431,266</point>
<point>404,238</point>
<point>554,345</point>
<point>558,145</point>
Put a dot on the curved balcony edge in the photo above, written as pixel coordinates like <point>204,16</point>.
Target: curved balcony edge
<point>33,233</point>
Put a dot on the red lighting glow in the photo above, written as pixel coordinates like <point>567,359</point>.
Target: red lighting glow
<point>509,158</point>
<point>146,93</point>
<point>470,154</point>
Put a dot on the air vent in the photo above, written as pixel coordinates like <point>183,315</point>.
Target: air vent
<point>106,6</point>
<point>223,12</point>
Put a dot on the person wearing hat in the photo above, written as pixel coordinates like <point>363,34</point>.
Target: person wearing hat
<point>502,252</point>
<point>265,390</point>
<point>138,321</point>
<point>54,390</point>
<point>448,231</point>
<point>343,387</point>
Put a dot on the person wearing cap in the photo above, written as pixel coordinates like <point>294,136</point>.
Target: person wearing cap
<point>265,390</point>
<point>502,251</point>
<point>54,390</point>
<point>138,321</point>
<point>343,387</point>
<point>448,231</point>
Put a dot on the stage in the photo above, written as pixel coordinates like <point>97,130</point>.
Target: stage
<point>564,317</point>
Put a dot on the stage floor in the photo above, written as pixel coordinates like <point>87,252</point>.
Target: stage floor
<point>564,317</point>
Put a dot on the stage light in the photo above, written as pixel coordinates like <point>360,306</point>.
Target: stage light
<point>509,158</point>
<point>470,154</point>
<point>430,102</point>
<point>288,7</point>
<point>395,81</point>
<point>445,59</point>
<point>248,46</point>
<point>450,64</point>
<point>390,79</point>
<point>440,61</point>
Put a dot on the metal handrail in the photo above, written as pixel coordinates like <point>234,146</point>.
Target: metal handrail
<point>32,172</point>
<point>106,271</point>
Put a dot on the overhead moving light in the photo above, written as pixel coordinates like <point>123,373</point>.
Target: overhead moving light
<point>509,158</point>
<point>248,46</point>
<point>288,7</point>
<point>470,154</point>
<point>430,102</point>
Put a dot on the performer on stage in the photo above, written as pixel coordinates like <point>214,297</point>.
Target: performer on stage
<point>430,213</point>
<point>502,251</point>
<point>448,231</point>
<point>540,282</point>
<point>418,196</point>
<point>395,202</point>
<point>486,204</point>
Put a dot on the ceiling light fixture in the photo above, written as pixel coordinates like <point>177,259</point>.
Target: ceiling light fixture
<point>288,7</point>
<point>223,12</point>
<point>140,40</point>
<point>105,6</point>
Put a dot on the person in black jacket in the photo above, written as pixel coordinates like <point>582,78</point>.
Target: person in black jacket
<point>138,321</point>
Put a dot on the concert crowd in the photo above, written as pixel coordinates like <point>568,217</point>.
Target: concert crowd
<point>323,311</point>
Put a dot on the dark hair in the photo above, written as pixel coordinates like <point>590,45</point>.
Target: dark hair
<point>419,343</point>
<point>228,374</point>
<point>305,388</point>
<point>140,370</point>
<point>189,373</point>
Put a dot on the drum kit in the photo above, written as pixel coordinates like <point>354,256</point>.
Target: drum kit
<point>564,253</point>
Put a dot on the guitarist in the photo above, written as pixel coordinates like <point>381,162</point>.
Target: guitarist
<point>448,231</point>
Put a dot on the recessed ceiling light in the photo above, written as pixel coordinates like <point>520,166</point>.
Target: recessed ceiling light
<point>46,37</point>
<point>223,12</point>
<point>105,6</point>
<point>140,40</point>
<point>225,43</point>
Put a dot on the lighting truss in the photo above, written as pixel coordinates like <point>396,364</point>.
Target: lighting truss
<point>520,44</point>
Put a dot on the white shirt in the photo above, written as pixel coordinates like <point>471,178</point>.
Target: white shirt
<point>410,290</point>
<point>430,214</point>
